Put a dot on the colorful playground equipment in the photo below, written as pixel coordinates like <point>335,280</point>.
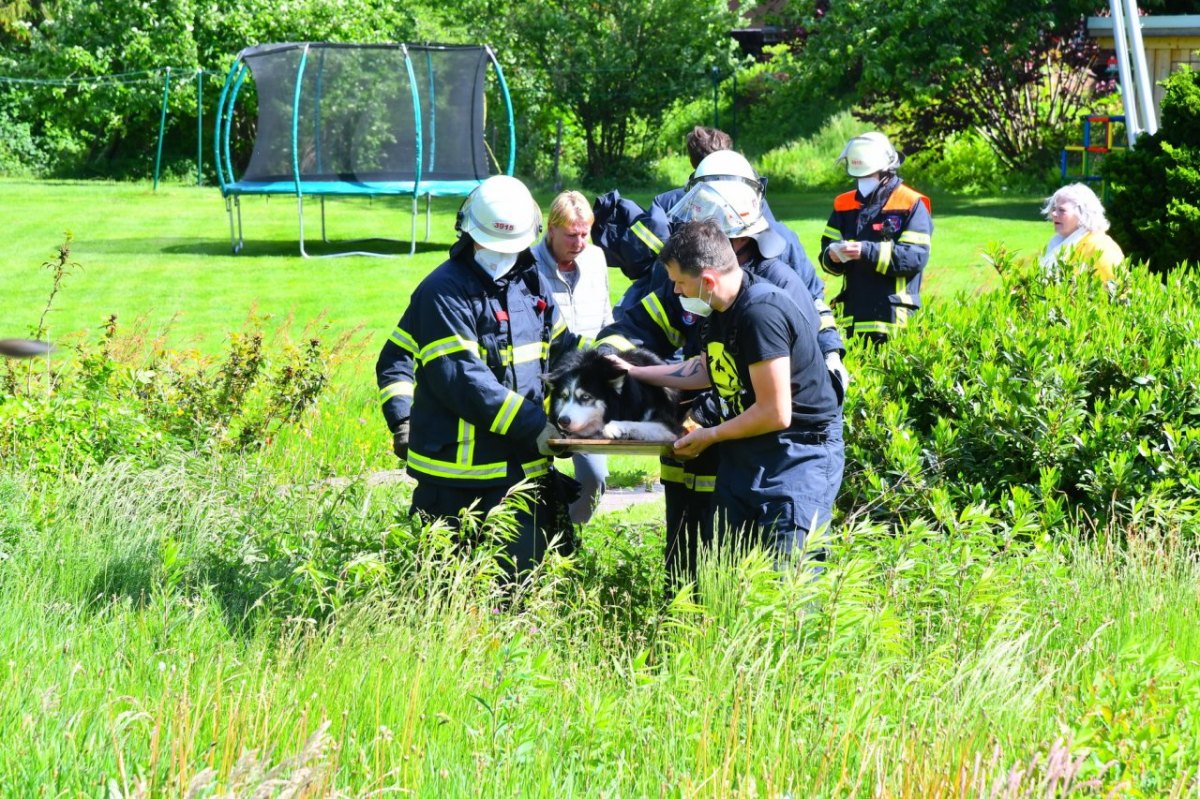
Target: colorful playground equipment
<point>1082,162</point>
<point>358,120</point>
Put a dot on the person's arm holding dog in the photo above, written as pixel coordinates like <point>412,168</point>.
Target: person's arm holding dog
<point>770,413</point>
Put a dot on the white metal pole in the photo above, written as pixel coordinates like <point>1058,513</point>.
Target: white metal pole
<point>1140,72</point>
<point>1128,100</point>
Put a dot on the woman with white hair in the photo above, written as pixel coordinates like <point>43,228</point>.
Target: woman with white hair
<point>1080,232</point>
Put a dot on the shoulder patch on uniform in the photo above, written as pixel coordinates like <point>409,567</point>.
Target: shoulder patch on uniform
<point>904,198</point>
<point>846,202</point>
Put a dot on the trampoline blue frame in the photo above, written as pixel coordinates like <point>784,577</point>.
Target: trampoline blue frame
<point>232,189</point>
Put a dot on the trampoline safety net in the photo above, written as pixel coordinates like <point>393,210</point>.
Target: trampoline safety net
<point>370,119</point>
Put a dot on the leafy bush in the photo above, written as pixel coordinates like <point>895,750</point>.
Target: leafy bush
<point>966,165</point>
<point>1051,397</point>
<point>110,399</point>
<point>1155,206</point>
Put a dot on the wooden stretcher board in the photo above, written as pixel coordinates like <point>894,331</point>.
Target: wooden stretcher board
<point>612,446</point>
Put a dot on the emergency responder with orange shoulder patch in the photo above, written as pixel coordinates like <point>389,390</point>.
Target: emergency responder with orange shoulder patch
<point>877,239</point>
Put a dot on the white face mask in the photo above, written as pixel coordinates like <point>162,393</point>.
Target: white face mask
<point>695,305</point>
<point>496,264</point>
<point>867,186</point>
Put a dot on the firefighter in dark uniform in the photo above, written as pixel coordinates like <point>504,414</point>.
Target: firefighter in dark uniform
<point>480,331</point>
<point>728,192</point>
<point>779,416</point>
<point>878,239</point>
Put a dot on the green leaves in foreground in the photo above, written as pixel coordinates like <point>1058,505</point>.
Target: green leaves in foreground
<point>1053,397</point>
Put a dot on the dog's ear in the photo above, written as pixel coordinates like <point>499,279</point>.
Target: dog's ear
<point>617,382</point>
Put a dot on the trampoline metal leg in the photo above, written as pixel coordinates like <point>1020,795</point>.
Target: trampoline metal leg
<point>324,237</point>
<point>235,238</point>
<point>413,250</point>
<point>428,203</point>
<point>300,213</point>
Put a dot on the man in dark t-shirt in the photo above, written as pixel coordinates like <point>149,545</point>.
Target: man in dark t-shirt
<point>780,427</point>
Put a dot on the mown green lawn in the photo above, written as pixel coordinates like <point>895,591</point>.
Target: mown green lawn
<point>225,621</point>
<point>162,263</point>
<point>163,258</point>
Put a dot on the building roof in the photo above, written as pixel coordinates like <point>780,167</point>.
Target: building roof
<point>1152,27</point>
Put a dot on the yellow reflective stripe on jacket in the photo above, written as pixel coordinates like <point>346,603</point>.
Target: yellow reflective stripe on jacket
<point>873,327</point>
<point>466,443</point>
<point>619,343</point>
<point>659,315</point>
<point>525,353</point>
<point>536,468</point>
<point>647,237</point>
<point>403,340</point>
<point>833,233</point>
<point>456,471</point>
<point>462,468</point>
<point>913,237</point>
<point>901,315</point>
<point>670,474</point>
<point>885,257</point>
<point>507,413</point>
<point>448,346</point>
<point>402,388</point>
<point>700,483</point>
<point>559,328</point>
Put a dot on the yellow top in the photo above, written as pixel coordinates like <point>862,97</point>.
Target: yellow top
<point>1099,250</point>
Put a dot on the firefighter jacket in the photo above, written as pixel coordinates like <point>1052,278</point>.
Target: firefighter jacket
<point>479,347</point>
<point>882,288</point>
<point>626,233</point>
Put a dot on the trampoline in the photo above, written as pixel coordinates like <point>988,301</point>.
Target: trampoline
<point>359,120</point>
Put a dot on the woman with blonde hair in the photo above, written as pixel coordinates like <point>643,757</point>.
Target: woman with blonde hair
<point>1080,232</point>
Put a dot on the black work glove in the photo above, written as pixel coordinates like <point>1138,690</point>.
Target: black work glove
<point>400,441</point>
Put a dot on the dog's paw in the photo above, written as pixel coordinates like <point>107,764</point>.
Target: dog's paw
<point>614,430</point>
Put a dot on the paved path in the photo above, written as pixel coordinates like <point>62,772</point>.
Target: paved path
<point>614,499</point>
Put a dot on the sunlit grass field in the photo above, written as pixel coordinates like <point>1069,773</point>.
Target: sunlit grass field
<point>161,262</point>
<point>164,257</point>
<point>214,624</point>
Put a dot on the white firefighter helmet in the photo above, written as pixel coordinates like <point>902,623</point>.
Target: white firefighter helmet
<point>726,189</point>
<point>869,153</point>
<point>501,215</point>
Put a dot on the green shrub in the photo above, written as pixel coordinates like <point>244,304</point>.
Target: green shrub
<point>810,162</point>
<point>113,399</point>
<point>1050,397</point>
<point>1155,205</point>
<point>966,165</point>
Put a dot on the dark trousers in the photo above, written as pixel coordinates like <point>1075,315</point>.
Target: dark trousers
<point>528,546</point>
<point>688,487</point>
<point>774,491</point>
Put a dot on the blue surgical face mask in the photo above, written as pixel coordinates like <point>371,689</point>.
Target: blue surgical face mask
<point>496,264</point>
<point>695,305</point>
<point>867,186</point>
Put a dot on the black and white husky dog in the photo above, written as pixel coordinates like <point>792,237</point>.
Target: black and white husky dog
<point>590,397</point>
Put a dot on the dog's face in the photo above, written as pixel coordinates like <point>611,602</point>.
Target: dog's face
<point>576,408</point>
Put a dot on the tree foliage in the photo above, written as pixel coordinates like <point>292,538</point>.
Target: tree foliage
<point>1155,206</point>
<point>608,70</point>
<point>1014,71</point>
<point>611,68</point>
<point>109,126</point>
